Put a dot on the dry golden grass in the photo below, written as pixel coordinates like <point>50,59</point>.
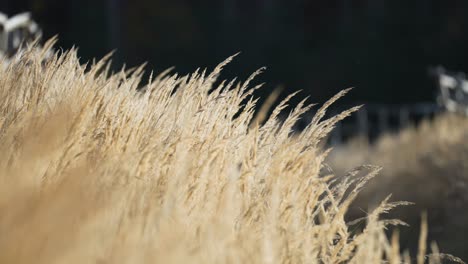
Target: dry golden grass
<point>426,165</point>
<point>94,171</point>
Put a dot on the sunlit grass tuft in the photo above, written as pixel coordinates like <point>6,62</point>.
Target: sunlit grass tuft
<point>94,170</point>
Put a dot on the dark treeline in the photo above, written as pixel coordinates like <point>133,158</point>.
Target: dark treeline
<point>381,47</point>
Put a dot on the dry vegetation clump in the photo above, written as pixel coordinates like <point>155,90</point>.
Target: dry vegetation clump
<point>93,170</point>
<point>426,165</point>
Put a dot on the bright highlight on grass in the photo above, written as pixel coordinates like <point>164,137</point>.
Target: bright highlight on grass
<point>94,170</point>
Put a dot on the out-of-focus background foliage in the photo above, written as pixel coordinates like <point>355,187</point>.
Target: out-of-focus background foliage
<point>381,47</point>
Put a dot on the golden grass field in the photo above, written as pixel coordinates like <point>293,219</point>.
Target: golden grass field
<point>427,165</point>
<point>93,170</point>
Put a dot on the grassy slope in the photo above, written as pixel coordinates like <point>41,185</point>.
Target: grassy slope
<point>426,165</point>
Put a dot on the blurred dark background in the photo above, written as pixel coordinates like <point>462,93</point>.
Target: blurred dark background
<point>381,47</point>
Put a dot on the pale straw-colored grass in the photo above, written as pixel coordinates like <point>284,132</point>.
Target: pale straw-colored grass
<point>424,164</point>
<point>93,170</point>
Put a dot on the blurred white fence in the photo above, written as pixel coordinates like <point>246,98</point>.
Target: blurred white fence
<point>453,90</point>
<point>372,120</point>
<point>15,31</point>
